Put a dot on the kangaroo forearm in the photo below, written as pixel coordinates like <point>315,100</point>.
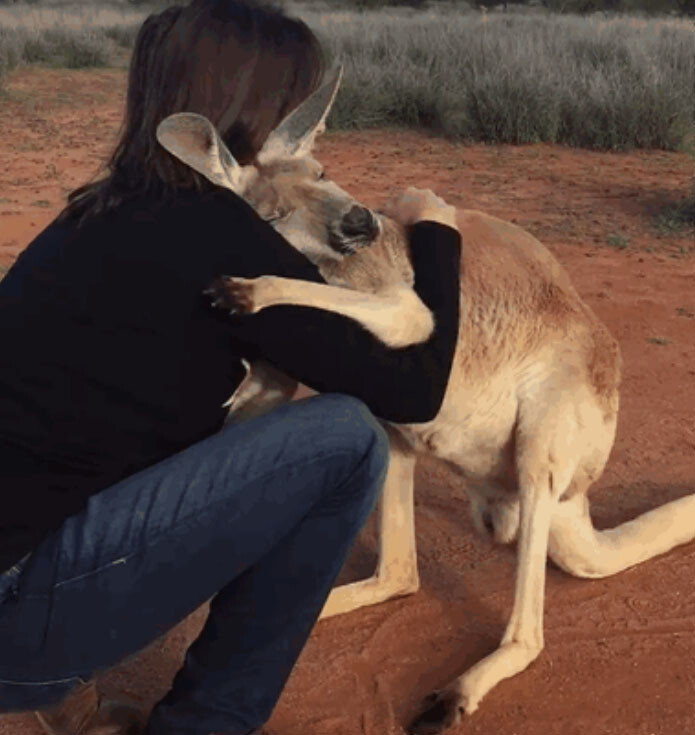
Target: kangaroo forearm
<point>397,317</point>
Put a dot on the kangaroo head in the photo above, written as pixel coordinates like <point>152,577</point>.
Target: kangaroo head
<point>285,184</point>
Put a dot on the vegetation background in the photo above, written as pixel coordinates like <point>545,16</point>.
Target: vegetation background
<point>599,74</point>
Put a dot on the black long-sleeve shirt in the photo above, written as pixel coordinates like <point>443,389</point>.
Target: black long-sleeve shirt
<point>112,359</point>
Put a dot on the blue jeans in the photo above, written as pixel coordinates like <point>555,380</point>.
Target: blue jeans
<point>260,517</point>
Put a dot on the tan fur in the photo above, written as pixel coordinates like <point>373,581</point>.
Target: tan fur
<point>530,410</point>
<point>528,418</point>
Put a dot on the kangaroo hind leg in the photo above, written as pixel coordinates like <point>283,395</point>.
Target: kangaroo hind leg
<point>546,446</point>
<point>396,573</point>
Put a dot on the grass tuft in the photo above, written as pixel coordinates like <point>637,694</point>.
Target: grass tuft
<point>675,218</point>
<point>618,241</point>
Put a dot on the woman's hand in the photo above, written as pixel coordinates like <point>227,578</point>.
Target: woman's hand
<point>414,205</point>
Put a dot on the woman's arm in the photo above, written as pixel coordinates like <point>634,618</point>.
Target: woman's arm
<point>332,353</point>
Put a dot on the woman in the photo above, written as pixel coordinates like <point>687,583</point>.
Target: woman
<point>122,507</point>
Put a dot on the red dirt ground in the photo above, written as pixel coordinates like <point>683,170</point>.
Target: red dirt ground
<point>619,652</point>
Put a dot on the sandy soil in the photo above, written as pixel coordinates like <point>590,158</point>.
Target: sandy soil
<point>619,652</point>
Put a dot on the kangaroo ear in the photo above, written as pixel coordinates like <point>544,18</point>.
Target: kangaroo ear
<point>295,135</point>
<point>193,139</point>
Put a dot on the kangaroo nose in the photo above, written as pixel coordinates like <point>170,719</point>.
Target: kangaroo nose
<point>359,221</point>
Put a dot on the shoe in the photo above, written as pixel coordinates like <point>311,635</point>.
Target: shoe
<point>84,712</point>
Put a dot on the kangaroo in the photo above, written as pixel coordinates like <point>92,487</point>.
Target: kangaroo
<point>530,411</point>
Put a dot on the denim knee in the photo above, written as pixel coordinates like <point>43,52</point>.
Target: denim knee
<point>357,426</point>
<point>354,415</point>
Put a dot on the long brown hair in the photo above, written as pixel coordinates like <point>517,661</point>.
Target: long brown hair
<point>242,64</point>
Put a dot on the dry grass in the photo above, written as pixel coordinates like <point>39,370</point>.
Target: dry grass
<point>516,78</point>
<point>75,15</point>
<point>615,84</point>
